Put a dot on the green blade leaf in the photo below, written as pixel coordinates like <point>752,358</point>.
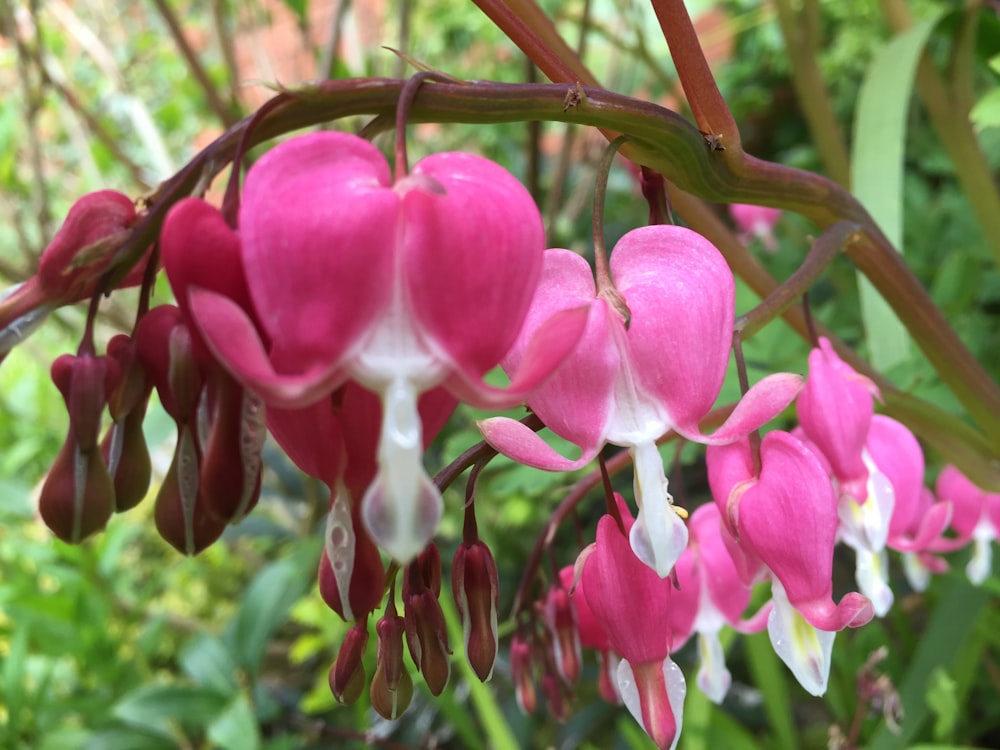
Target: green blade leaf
<point>877,173</point>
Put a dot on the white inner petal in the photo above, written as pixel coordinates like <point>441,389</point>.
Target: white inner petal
<point>339,545</point>
<point>866,526</point>
<point>713,677</point>
<point>658,536</point>
<point>872,575</point>
<point>917,574</point>
<point>804,648</point>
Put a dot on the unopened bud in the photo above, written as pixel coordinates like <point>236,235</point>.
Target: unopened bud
<point>392,687</point>
<point>426,632</point>
<point>559,616</point>
<point>78,497</point>
<point>476,587</point>
<point>522,672</point>
<point>347,675</point>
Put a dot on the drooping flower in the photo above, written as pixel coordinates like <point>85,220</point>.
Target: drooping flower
<point>975,518</point>
<point>712,592</point>
<point>631,384</point>
<point>617,585</point>
<point>785,520</point>
<point>756,222</point>
<point>400,286</point>
<point>835,411</point>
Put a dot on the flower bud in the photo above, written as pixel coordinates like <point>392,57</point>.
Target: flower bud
<point>426,632</point>
<point>124,445</point>
<point>78,497</point>
<point>347,675</point>
<point>392,686</point>
<point>522,673</point>
<point>476,586</point>
<point>559,616</point>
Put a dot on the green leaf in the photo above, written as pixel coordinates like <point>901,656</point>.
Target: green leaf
<point>986,112</point>
<point>157,707</point>
<point>236,728</point>
<point>877,173</point>
<point>941,642</point>
<point>265,607</point>
<point>206,660</point>
<point>125,738</point>
<point>943,702</point>
<point>769,673</point>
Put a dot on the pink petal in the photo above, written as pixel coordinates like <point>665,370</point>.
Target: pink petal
<point>762,403</point>
<point>546,351</point>
<point>681,295</point>
<point>835,410</point>
<point>521,444</point>
<point>719,574</point>
<point>789,518</point>
<point>576,401</point>
<point>616,583</point>
<point>319,224</point>
<point>472,257</point>
<point>233,339</point>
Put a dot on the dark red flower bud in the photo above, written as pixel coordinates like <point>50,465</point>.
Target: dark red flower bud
<point>231,465</point>
<point>523,674</point>
<point>476,587</point>
<point>78,497</point>
<point>392,687</point>
<point>181,515</point>
<point>426,632</point>
<point>85,245</point>
<point>124,446</point>
<point>347,675</point>
<point>552,686</point>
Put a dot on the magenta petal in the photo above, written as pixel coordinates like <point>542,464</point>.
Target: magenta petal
<point>550,345</point>
<point>517,442</point>
<point>311,438</point>
<point>231,336</point>
<point>789,518</point>
<point>319,224</point>
<point>762,403</point>
<point>835,410</point>
<point>615,583</point>
<point>472,256</point>
<point>681,295</point>
<point>719,574</point>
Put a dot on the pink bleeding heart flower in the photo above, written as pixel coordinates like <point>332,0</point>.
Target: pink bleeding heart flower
<point>786,518</point>
<point>756,222</point>
<point>400,286</point>
<point>711,594</point>
<point>616,584</point>
<point>916,519</point>
<point>975,518</point>
<point>630,385</point>
<point>835,411</point>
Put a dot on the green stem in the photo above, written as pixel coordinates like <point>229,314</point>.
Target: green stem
<point>659,139</point>
<point>802,45</point>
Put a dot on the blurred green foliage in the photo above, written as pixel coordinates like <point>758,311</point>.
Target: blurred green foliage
<point>119,643</point>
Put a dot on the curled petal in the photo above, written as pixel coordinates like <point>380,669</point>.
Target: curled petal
<point>232,337</point>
